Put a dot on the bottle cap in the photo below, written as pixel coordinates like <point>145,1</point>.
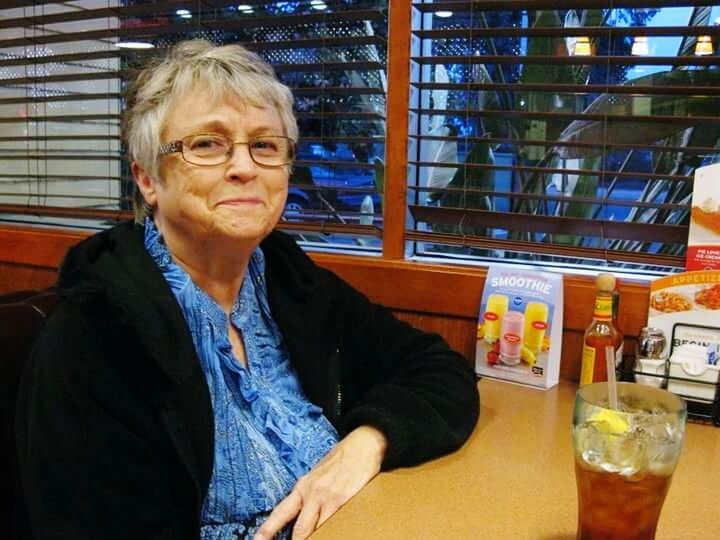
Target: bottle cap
<point>605,282</point>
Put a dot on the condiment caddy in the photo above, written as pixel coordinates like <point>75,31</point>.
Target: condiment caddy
<point>692,371</point>
<point>680,349</point>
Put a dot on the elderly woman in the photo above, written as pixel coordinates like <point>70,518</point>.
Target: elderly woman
<point>202,377</point>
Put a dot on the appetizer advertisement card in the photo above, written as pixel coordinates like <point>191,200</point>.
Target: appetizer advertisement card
<point>703,252</point>
<point>686,307</point>
<point>520,326</point>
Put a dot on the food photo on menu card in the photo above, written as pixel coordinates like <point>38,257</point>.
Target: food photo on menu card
<point>703,251</point>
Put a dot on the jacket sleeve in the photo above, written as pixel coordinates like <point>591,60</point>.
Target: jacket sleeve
<point>87,471</point>
<point>409,384</point>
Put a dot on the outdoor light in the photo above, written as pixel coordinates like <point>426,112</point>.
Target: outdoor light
<point>134,45</point>
<point>444,14</point>
<point>640,46</point>
<point>245,8</point>
<point>318,4</point>
<point>704,46</point>
<point>182,12</point>
<point>582,47</point>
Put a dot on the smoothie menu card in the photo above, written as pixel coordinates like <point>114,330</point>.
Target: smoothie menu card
<point>519,331</point>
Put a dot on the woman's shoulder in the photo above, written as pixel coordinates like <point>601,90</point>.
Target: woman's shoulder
<point>64,344</point>
<point>287,262</point>
<point>281,243</point>
<point>126,232</point>
<point>82,258</point>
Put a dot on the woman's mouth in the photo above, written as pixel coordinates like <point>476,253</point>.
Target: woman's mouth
<point>241,201</point>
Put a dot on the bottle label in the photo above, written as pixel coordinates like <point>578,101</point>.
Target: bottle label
<point>603,308</point>
<point>588,365</point>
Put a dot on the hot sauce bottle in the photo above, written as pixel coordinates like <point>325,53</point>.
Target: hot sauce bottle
<point>601,333</point>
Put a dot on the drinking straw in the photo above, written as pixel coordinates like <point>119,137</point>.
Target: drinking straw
<point>612,383</point>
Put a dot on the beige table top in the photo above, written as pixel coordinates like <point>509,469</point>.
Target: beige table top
<point>515,479</point>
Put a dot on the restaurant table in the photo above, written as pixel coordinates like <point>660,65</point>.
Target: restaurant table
<point>514,478</point>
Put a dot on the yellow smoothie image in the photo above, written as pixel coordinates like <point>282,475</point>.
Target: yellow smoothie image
<point>536,316</point>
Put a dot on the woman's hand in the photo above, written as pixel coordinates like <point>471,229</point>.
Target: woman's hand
<point>344,471</point>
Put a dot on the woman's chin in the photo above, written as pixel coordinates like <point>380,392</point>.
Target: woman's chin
<point>247,230</point>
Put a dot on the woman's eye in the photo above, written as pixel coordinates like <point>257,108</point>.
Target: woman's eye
<point>268,146</point>
<point>207,144</point>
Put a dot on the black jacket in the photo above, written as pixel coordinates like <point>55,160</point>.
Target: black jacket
<point>115,428</point>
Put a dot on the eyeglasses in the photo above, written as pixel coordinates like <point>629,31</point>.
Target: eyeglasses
<point>213,149</point>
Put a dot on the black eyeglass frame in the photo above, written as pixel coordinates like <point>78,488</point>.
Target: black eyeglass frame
<point>173,147</point>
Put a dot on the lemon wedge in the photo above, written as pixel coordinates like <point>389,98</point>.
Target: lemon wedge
<point>610,421</point>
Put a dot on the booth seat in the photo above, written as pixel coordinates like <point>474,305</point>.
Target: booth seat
<point>22,315</point>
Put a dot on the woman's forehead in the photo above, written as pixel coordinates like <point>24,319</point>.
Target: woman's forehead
<point>199,108</point>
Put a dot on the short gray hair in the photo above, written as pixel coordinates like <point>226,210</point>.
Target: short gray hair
<point>191,64</point>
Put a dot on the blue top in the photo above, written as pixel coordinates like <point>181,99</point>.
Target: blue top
<point>267,434</point>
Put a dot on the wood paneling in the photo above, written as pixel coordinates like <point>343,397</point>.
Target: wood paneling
<point>29,257</point>
<point>458,332</point>
<point>19,277</point>
<point>456,290</point>
<point>32,246</point>
<point>438,298</point>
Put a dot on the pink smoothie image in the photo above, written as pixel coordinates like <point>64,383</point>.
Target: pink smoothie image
<point>511,337</point>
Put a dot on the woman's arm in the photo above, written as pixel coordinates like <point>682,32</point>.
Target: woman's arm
<point>409,384</point>
<point>408,398</point>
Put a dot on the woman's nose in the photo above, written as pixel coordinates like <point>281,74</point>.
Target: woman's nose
<point>241,165</point>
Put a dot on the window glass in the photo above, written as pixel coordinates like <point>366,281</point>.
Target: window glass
<point>561,136</point>
<point>64,67</point>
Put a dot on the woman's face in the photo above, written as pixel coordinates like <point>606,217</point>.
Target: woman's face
<point>237,199</point>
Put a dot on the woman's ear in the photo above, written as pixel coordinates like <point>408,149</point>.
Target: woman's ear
<point>145,183</point>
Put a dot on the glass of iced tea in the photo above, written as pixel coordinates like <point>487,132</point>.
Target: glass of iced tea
<point>625,458</point>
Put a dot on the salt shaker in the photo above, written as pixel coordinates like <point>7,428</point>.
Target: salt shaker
<point>650,357</point>
<point>651,343</point>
